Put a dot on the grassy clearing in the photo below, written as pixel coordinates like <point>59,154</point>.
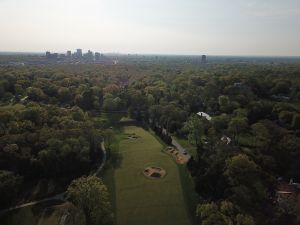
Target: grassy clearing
<point>139,200</point>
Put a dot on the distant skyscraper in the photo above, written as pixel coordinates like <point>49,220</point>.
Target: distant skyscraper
<point>89,55</point>
<point>69,54</point>
<point>79,52</point>
<point>97,56</point>
<point>48,55</point>
<point>54,55</point>
<point>203,59</point>
<point>51,56</point>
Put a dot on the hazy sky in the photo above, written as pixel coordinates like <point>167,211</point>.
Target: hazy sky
<point>222,27</point>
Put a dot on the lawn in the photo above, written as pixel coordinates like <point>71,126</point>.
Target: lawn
<point>40,214</point>
<point>140,200</point>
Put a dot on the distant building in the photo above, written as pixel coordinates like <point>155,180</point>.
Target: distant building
<point>237,84</point>
<point>287,189</point>
<point>97,56</point>
<point>205,115</point>
<point>89,56</point>
<point>203,59</point>
<point>62,56</point>
<point>69,54</point>
<point>54,55</point>
<point>48,55</point>
<point>226,140</point>
<point>79,53</point>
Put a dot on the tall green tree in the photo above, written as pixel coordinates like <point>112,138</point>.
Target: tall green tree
<point>9,186</point>
<point>91,196</point>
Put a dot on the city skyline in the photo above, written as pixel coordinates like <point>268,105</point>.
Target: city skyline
<point>221,27</point>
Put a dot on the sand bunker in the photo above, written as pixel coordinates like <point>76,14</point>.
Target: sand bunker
<point>132,136</point>
<point>180,158</point>
<point>154,172</point>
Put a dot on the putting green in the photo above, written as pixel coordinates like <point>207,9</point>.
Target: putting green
<point>140,200</point>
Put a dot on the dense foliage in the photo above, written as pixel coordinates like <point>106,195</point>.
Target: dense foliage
<point>91,196</point>
<point>47,128</point>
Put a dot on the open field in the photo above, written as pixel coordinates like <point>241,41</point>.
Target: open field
<point>141,200</point>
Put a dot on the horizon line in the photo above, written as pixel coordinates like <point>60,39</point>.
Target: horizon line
<point>156,54</point>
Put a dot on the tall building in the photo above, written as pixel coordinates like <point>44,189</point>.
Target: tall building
<point>203,59</point>
<point>79,53</point>
<point>48,55</point>
<point>54,55</point>
<point>69,54</point>
<point>97,56</point>
<point>89,55</point>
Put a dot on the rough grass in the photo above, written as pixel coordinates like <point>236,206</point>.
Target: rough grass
<point>139,200</point>
<point>41,214</point>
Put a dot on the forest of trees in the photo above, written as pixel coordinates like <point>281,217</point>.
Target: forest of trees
<point>48,127</point>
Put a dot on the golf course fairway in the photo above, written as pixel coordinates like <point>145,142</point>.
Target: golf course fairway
<point>140,200</point>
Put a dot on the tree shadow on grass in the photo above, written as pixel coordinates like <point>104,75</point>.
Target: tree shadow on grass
<point>116,160</point>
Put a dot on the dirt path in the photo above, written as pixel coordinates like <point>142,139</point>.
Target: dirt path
<point>181,149</point>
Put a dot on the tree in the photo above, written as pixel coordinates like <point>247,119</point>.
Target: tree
<point>109,104</point>
<point>9,186</point>
<point>64,94</point>
<point>222,213</point>
<point>35,114</point>
<point>242,219</point>
<point>209,214</point>
<point>289,148</point>
<point>244,177</point>
<point>91,196</point>
<point>240,170</point>
<point>87,101</point>
<point>196,127</point>
<point>237,125</point>
<point>286,117</point>
<point>262,136</point>
<point>290,208</point>
<point>296,122</point>
<point>220,123</point>
<point>77,114</point>
<point>281,87</point>
<point>223,103</point>
<point>36,94</point>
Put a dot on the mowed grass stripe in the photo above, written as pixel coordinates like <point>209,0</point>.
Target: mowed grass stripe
<point>141,200</point>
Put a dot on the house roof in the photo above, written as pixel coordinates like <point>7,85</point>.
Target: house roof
<point>284,188</point>
<point>203,114</point>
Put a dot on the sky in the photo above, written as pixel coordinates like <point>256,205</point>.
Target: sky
<point>212,27</point>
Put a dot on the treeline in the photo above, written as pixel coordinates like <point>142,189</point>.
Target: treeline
<point>45,142</point>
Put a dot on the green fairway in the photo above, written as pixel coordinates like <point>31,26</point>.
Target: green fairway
<point>140,200</point>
